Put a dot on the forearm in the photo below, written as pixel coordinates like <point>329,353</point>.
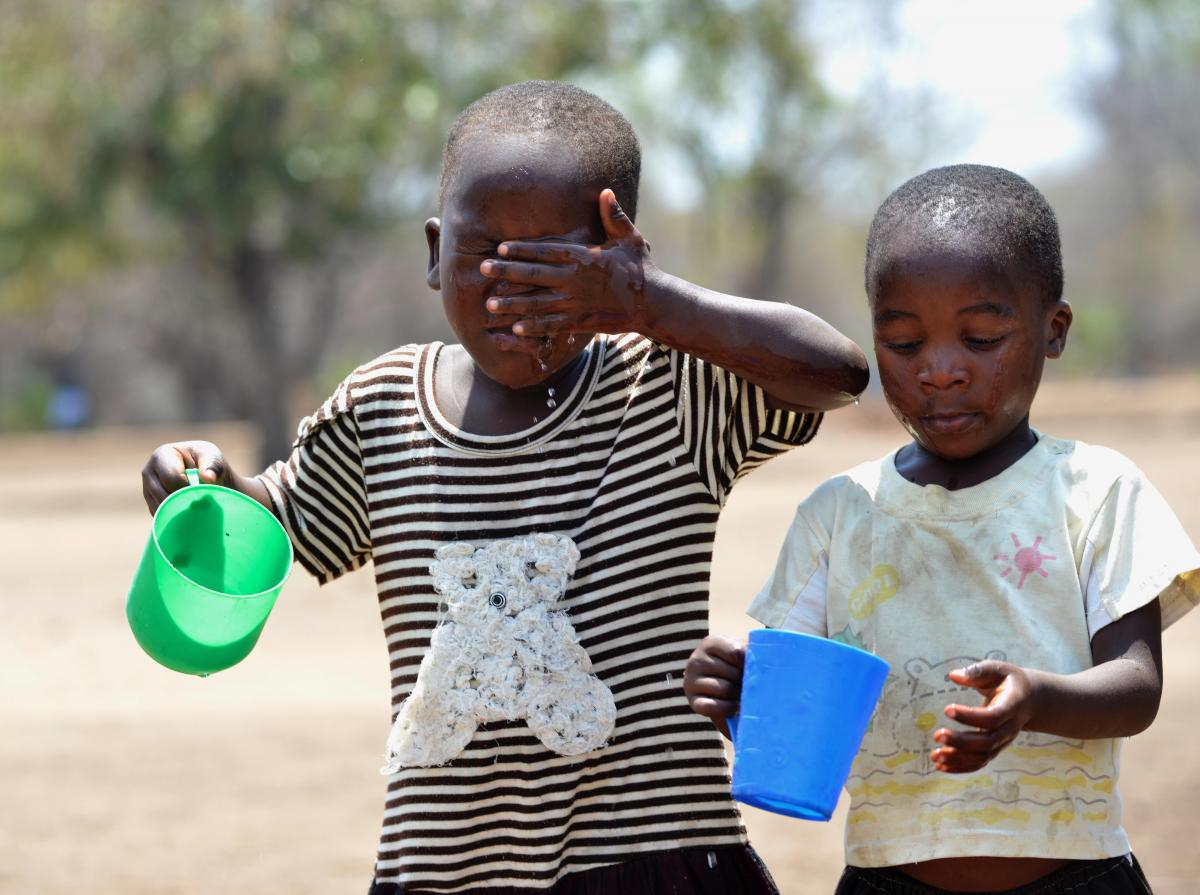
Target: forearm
<point>252,487</point>
<point>1114,699</point>
<point>798,359</point>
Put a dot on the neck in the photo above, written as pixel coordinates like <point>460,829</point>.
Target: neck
<point>921,467</point>
<point>475,403</point>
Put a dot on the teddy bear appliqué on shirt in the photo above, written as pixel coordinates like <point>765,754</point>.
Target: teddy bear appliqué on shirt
<point>502,651</point>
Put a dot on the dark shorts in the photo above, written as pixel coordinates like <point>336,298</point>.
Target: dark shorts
<point>729,870</point>
<point>1108,876</point>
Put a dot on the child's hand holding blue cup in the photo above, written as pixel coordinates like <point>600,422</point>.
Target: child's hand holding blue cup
<point>797,707</point>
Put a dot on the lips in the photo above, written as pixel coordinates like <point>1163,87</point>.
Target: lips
<point>951,423</point>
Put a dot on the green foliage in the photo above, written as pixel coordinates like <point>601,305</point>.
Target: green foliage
<point>243,139</point>
<point>25,410</point>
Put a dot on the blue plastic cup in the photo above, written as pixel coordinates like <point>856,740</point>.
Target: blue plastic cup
<point>806,703</point>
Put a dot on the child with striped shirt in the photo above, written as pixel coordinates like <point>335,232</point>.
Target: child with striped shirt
<point>539,503</point>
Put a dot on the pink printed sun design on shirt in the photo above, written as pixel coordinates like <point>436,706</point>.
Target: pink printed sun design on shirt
<point>1026,561</point>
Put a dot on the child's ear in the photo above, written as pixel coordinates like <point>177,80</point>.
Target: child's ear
<point>433,236</point>
<point>1058,321</point>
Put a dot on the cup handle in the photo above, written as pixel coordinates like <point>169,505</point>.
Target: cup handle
<point>193,475</point>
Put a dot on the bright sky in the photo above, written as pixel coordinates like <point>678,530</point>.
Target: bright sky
<point>1007,71</point>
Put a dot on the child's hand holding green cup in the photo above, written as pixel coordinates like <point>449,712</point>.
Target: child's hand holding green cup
<point>214,563</point>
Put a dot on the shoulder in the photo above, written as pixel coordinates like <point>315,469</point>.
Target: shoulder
<point>852,491</point>
<point>627,351</point>
<point>382,376</point>
<point>397,364</point>
<point>1090,469</point>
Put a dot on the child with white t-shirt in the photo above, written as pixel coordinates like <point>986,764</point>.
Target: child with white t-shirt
<point>986,556</point>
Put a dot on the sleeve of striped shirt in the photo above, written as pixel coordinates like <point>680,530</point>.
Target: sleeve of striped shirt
<point>319,491</point>
<point>727,427</point>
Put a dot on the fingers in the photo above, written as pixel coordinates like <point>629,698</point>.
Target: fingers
<point>545,325</point>
<point>968,750</point>
<point>530,304</point>
<point>984,717</point>
<point>545,252</point>
<point>617,225</point>
<point>165,472</point>
<point>981,675</point>
<point>955,761</point>
<point>726,655</point>
<point>712,679</point>
<point>527,272</point>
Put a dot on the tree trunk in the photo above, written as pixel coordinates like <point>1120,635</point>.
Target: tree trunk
<point>770,198</point>
<point>252,274</point>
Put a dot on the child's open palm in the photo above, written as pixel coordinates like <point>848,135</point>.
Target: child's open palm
<point>1008,706</point>
<point>579,288</point>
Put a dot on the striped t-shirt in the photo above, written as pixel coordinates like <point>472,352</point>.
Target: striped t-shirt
<point>633,465</point>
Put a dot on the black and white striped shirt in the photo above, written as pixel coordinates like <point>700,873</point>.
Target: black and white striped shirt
<point>633,465</point>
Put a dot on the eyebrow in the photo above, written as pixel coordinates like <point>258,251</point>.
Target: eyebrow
<point>882,317</point>
<point>991,307</point>
<point>983,307</point>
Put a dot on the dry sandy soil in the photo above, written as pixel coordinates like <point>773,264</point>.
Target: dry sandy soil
<point>122,777</point>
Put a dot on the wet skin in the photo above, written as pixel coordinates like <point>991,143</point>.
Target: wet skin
<point>496,380</point>
<point>532,260</point>
<point>960,347</point>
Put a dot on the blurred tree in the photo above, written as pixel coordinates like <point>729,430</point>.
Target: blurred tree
<point>1141,201</point>
<point>243,135</point>
<point>242,140</point>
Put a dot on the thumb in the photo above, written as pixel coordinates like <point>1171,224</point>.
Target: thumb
<point>984,675</point>
<point>208,461</point>
<point>617,225</point>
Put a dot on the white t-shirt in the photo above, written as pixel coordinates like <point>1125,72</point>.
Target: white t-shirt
<point>1024,568</point>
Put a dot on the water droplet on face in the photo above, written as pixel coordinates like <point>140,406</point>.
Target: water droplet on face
<point>856,402</point>
<point>571,339</point>
<point>542,364</point>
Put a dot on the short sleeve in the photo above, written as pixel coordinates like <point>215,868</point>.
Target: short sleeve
<point>1136,550</point>
<point>727,428</point>
<point>319,492</point>
<point>794,596</point>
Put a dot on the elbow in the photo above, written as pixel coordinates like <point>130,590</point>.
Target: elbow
<point>856,371</point>
<point>1147,711</point>
<point>846,379</point>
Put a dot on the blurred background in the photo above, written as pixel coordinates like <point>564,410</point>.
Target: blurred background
<point>207,206</point>
<point>211,212</point>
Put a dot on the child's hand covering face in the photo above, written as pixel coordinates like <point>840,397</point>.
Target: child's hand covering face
<point>578,288</point>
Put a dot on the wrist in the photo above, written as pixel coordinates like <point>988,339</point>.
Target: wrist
<point>659,289</point>
<point>1040,697</point>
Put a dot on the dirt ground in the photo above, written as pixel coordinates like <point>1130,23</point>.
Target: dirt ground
<point>122,777</point>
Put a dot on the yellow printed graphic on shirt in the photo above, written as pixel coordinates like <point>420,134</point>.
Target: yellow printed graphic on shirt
<point>876,589</point>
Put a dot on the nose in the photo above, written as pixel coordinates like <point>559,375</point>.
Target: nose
<point>943,368</point>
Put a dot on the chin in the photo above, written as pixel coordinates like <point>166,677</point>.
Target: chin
<point>952,448</point>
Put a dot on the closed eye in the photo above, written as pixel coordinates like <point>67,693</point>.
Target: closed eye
<point>903,347</point>
<point>976,342</point>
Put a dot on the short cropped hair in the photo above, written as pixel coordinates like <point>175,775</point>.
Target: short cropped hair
<point>1000,214</point>
<point>601,138</point>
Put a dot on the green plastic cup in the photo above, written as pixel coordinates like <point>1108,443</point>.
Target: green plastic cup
<point>212,568</point>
